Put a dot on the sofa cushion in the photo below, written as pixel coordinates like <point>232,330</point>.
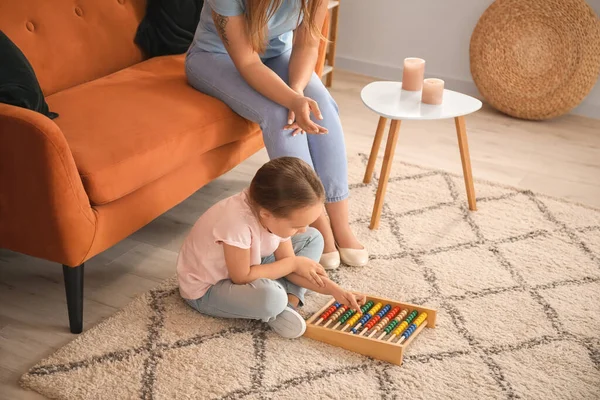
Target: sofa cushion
<point>132,127</point>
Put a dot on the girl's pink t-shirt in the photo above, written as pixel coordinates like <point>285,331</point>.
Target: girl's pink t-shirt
<point>201,260</point>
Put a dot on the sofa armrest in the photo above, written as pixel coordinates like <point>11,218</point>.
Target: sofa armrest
<point>44,209</point>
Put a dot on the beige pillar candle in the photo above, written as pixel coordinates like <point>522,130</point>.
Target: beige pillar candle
<point>433,91</point>
<point>412,76</point>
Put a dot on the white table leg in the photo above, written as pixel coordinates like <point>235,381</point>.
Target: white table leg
<point>463,145</point>
<point>385,173</point>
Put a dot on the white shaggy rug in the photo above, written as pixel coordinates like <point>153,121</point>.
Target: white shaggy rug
<point>516,285</point>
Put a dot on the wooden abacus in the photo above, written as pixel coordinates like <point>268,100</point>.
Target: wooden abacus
<point>382,329</point>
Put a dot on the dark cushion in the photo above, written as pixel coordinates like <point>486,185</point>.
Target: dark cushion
<point>18,84</point>
<point>168,26</point>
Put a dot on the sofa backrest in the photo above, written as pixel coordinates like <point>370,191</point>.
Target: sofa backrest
<point>69,42</point>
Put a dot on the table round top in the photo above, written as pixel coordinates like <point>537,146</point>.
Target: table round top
<point>389,100</point>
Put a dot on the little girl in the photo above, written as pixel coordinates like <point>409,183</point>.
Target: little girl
<point>253,256</point>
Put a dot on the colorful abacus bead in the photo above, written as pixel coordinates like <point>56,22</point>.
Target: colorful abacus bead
<point>328,312</point>
<point>394,323</point>
<point>344,317</point>
<point>385,320</point>
<point>370,324</point>
<point>388,317</point>
<point>413,327</point>
<point>352,321</point>
<point>367,307</point>
<point>331,310</point>
<point>403,325</point>
<point>335,315</point>
<point>392,314</point>
<point>358,315</point>
<point>360,323</point>
<point>366,317</point>
<point>376,318</point>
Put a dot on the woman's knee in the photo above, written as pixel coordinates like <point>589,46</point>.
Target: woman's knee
<point>319,93</point>
<point>309,244</point>
<point>274,119</point>
<point>270,298</point>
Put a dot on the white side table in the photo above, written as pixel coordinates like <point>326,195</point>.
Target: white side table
<point>391,102</point>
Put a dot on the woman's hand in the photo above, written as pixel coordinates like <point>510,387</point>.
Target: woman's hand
<point>299,116</point>
<point>311,270</point>
<point>350,299</point>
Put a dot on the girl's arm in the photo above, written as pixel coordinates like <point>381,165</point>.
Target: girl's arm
<point>285,250</point>
<point>241,272</point>
<point>323,285</point>
<point>232,31</point>
<point>331,288</point>
<point>306,268</point>
<point>305,51</point>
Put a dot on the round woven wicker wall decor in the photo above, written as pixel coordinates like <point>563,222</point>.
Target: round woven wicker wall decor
<point>536,59</point>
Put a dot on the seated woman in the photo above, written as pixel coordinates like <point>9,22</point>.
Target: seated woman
<point>258,57</point>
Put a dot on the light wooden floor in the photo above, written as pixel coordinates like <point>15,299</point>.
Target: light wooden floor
<point>560,158</point>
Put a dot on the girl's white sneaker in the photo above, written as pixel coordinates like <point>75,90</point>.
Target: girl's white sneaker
<point>288,324</point>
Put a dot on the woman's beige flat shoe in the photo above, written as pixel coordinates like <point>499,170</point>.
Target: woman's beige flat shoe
<point>330,260</point>
<point>354,257</point>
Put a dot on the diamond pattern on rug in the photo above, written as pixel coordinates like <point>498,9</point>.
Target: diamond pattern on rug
<point>516,285</point>
<point>403,279</point>
<point>332,384</point>
<point>446,339</point>
<point>405,195</point>
<point>285,360</point>
<point>485,191</point>
<point>381,242</point>
<point>575,216</point>
<point>592,241</point>
<point>468,270</point>
<point>120,378</point>
<point>125,334</point>
<point>537,266</point>
<point>185,371</point>
<point>576,306</point>
<point>438,228</point>
<point>455,376</point>
<point>361,203</point>
<point>510,317</point>
<point>510,217</point>
<point>559,369</point>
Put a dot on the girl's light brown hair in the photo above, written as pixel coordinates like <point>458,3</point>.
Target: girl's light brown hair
<point>286,184</point>
<point>259,12</point>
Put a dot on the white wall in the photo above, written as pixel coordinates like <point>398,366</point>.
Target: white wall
<point>375,36</point>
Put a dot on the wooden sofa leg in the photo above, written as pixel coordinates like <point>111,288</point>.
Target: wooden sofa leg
<point>74,288</point>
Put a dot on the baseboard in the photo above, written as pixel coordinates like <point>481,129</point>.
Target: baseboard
<point>466,86</point>
<point>587,109</point>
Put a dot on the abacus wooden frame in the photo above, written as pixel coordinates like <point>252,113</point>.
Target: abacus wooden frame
<point>371,347</point>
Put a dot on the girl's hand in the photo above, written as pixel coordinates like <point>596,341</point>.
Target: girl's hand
<point>300,109</point>
<point>311,270</point>
<point>350,299</point>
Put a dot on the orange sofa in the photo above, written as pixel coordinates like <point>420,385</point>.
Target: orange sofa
<point>133,139</point>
